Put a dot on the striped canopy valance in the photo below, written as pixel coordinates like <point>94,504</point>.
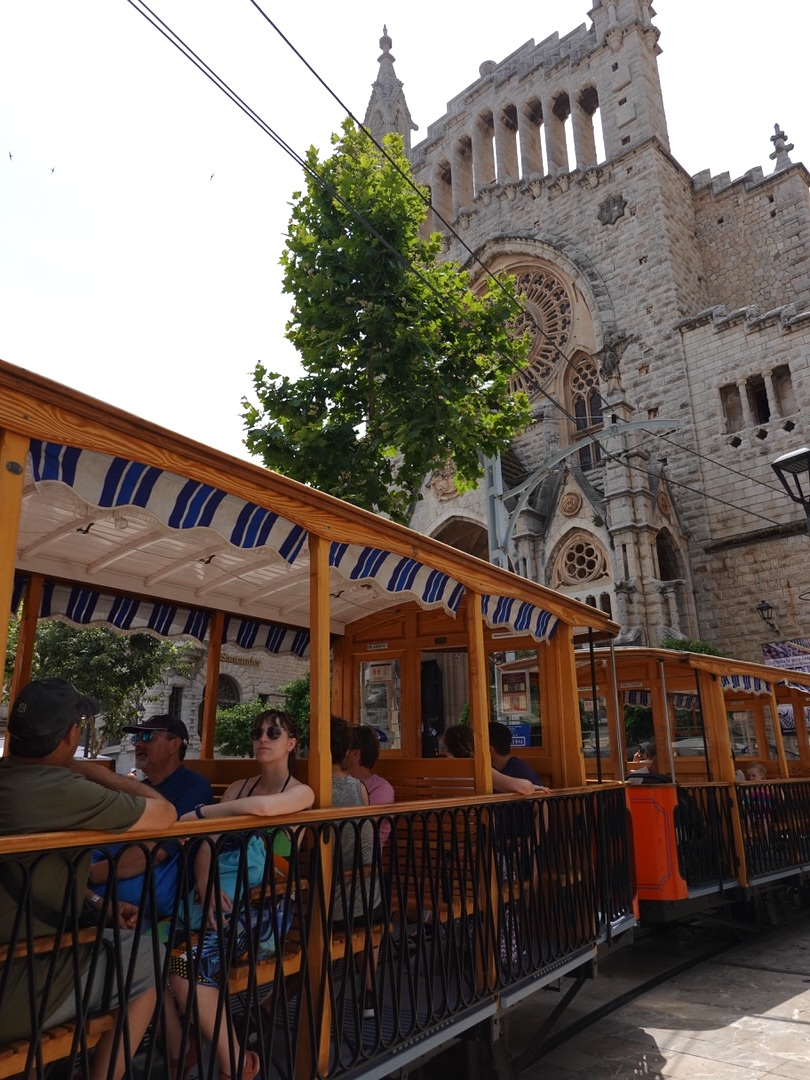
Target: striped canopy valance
<point>114,483</point>
<point>81,606</point>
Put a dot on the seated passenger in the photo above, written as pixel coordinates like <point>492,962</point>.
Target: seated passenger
<point>459,743</point>
<point>274,792</point>
<point>500,748</point>
<point>160,747</point>
<point>363,755</point>
<point>44,787</point>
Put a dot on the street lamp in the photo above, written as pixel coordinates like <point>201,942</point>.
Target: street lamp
<point>793,470</point>
<point>765,612</point>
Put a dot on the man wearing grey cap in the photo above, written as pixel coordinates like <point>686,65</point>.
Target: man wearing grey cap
<point>160,747</point>
<point>45,788</point>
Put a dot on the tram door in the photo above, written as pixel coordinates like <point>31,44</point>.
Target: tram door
<point>432,707</point>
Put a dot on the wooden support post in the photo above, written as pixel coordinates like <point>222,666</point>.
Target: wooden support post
<point>478,694</point>
<point>13,451</point>
<point>211,684</point>
<point>315,988</point>
<point>558,678</point>
<point>26,635</point>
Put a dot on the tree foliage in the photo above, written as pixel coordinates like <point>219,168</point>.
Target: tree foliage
<point>405,369</point>
<point>233,726</point>
<point>115,669</point>
<point>690,645</point>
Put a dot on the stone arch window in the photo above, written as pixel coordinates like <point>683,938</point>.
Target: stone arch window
<point>228,692</point>
<point>586,407</point>
<point>590,142</point>
<point>484,151</point>
<point>580,560</point>
<point>506,144</point>
<point>547,316</point>
<point>442,193</point>
<point>783,390</point>
<point>558,135</point>
<point>462,175</point>
<point>669,564</point>
<point>732,407</point>
<point>529,134</point>
<point>758,403</point>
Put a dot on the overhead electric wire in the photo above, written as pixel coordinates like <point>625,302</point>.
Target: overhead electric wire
<point>475,257</point>
<point>173,38</point>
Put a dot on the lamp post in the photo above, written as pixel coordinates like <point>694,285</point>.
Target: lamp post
<point>793,470</point>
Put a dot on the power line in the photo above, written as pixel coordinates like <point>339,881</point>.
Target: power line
<point>175,39</point>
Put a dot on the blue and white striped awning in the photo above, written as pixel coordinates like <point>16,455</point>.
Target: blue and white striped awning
<point>745,684</point>
<point>114,483</point>
<point>180,503</point>
<point>519,616</point>
<point>396,574</point>
<point>644,697</point>
<point>81,606</point>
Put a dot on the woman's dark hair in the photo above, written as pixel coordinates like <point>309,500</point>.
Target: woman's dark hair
<point>340,739</point>
<point>458,740</point>
<point>367,741</point>
<point>284,720</point>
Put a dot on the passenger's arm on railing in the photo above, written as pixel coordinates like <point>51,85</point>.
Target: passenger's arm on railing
<point>297,797</point>
<point>157,813</point>
<point>515,785</point>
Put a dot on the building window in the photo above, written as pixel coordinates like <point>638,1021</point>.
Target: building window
<point>758,399</point>
<point>783,390</point>
<point>580,561</point>
<point>228,692</point>
<point>586,406</point>
<point>732,407</point>
<point>175,706</point>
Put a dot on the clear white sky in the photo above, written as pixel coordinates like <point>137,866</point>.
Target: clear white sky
<point>128,273</point>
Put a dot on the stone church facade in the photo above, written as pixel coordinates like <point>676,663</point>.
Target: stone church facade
<point>670,319</point>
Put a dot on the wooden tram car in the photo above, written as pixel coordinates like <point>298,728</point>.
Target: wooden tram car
<point>109,520</point>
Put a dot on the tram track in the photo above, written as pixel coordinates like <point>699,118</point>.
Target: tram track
<point>634,959</point>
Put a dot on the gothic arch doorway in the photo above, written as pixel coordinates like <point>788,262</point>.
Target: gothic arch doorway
<point>464,535</point>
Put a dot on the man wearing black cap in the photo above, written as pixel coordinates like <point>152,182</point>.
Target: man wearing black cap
<point>45,788</point>
<point>160,747</point>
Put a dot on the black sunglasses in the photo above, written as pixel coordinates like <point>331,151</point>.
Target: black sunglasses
<point>272,731</point>
<point>146,736</point>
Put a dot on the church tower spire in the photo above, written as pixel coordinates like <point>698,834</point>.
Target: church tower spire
<point>387,108</point>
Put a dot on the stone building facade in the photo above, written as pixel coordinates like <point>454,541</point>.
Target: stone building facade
<point>670,317</point>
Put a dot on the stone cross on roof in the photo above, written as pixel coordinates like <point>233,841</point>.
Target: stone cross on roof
<point>781,149</point>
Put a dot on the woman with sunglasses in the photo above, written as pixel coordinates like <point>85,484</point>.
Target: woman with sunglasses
<point>273,793</point>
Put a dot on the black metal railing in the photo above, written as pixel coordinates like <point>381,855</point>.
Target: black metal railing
<point>705,836</point>
<point>343,942</point>
<point>775,824</point>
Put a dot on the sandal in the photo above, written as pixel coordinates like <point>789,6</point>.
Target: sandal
<point>250,1067</point>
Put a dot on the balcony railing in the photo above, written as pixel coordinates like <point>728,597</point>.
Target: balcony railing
<point>347,941</point>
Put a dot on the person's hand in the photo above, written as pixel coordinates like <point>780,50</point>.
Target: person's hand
<point>226,907</point>
<point>126,915</point>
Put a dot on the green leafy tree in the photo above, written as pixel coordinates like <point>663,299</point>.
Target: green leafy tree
<point>233,727</point>
<point>690,645</point>
<point>296,703</point>
<point>405,369</point>
<point>115,669</point>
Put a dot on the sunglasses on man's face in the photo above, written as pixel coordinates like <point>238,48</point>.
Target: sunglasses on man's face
<point>271,731</point>
<point>144,736</point>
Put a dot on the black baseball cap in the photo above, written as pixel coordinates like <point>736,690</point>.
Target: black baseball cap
<point>163,722</point>
<point>48,707</point>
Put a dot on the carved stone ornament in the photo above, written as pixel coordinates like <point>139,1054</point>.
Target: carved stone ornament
<point>570,503</point>
<point>612,209</point>
<point>442,484</point>
<point>664,503</point>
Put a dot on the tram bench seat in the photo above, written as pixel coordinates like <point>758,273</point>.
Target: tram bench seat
<point>57,1042</point>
